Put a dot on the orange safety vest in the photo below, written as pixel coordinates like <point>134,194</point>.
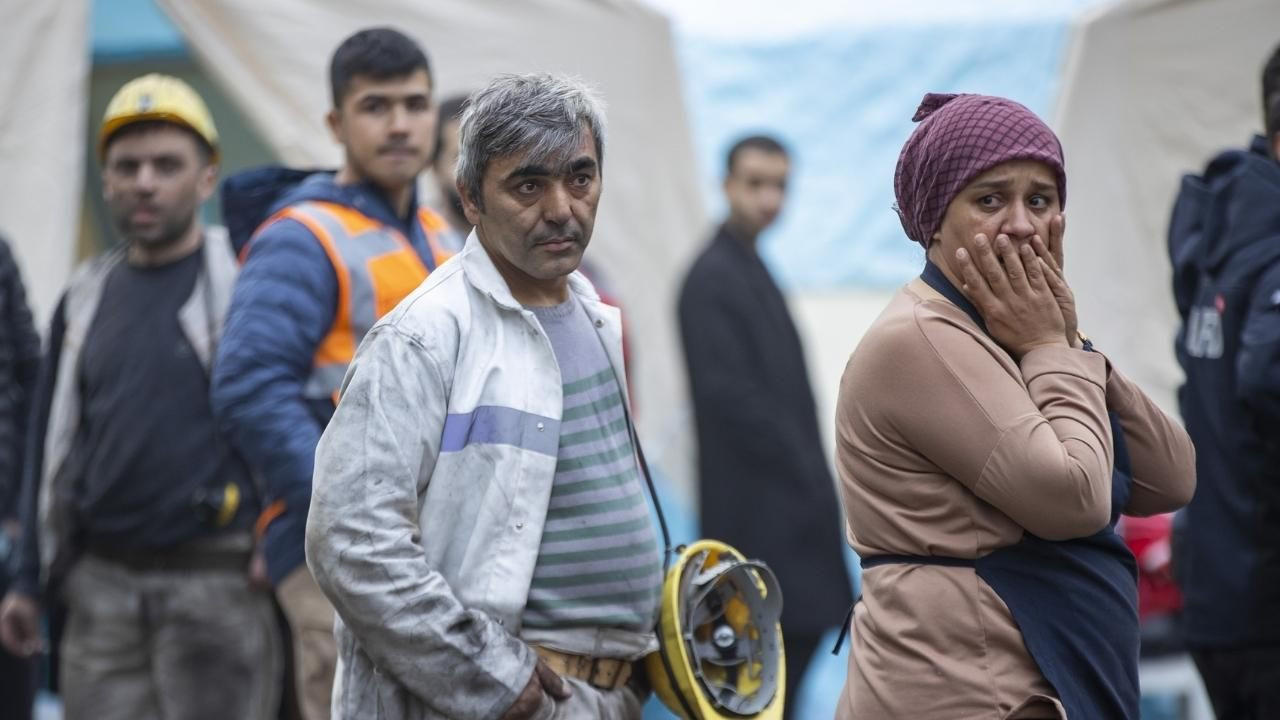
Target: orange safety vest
<point>376,268</point>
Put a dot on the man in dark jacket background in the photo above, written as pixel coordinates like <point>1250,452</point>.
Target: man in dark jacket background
<point>1224,242</point>
<point>765,485</point>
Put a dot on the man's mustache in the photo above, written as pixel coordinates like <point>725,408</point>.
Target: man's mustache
<point>567,233</point>
<point>396,146</point>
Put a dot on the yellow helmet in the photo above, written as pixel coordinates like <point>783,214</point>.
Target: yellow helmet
<point>720,650</point>
<point>158,97</point>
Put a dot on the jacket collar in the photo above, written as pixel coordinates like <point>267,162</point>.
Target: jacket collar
<point>364,196</point>
<point>726,236</point>
<point>372,201</point>
<point>204,313</point>
<point>484,276</point>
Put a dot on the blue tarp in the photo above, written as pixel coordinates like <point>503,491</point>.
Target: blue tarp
<point>129,30</point>
<point>842,100</point>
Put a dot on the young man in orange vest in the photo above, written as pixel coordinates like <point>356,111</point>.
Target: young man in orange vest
<point>337,251</point>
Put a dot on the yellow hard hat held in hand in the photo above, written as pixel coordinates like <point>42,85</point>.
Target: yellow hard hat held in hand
<point>720,650</point>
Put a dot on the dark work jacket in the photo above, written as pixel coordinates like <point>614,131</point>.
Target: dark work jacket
<point>19,363</point>
<point>1224,243</point>
<point>765,486</point>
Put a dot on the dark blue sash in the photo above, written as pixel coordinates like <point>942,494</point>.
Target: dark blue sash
<point>1075,601</point>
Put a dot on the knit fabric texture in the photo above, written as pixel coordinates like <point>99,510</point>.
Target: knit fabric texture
<point>959,138</point>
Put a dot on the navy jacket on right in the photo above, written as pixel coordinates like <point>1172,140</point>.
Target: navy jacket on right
<point>1224,243</point>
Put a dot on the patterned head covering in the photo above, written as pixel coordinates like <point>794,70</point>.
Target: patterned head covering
<point>959,138</point>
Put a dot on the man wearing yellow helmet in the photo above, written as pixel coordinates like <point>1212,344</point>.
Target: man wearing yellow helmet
<point>137,514</point>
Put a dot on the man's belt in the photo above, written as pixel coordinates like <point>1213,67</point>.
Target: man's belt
<point>602,673</point>
<point>192,556</point>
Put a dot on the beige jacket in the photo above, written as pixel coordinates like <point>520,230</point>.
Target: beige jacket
<point>947,446</point>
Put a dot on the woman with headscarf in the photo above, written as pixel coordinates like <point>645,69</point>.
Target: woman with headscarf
<point>986,450</point>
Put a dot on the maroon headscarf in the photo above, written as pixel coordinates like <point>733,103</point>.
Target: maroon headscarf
<point>959,138</point>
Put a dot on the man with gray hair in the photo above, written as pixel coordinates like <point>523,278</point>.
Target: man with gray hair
<point>478,514</point>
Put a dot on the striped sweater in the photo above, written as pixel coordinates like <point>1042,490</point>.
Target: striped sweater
<point>599,564</point>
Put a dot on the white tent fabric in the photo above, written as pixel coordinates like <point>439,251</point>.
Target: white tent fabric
<point>45,91</point>
<point>1152,89</point>
<point>273,61</point>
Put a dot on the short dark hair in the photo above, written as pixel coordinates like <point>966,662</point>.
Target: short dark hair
<point>763,143</point>
<point>450,109</point>
<point>379,53</point>
<point>1271,93</point>
<point>203,149</point>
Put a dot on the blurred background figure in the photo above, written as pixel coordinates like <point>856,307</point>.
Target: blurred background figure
<point>764,483</point>
<point>19,363</point>
<point>136,512</point>
<point>1224,244</point>
<point>332,253</point>
<point>444,166</point>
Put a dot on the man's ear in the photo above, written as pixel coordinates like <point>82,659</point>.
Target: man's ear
<point>208,182</point>
<point>333,120</point>
<point>470,207</point>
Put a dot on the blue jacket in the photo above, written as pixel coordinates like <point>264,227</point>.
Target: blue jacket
<point>1224,243</point>
<point>283,306</point>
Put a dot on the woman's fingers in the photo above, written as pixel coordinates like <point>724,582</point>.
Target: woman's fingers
<point>1014,298</point>
<point>975,284</point>
<point>1053,273</point>
<point>1035,270</point>
<point>1055,282</point>
<point>1041,249</point>
<point>1065,298</point>
<point>1013,266</point>
<point>990,266</point>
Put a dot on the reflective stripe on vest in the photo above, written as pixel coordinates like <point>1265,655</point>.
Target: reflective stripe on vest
<point>375,267</point>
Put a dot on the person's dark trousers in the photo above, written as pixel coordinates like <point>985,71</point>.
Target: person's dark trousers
<point>1243,683</point>
<point>17,686</point>
<point>18,676</point>
<point>799,650</point>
